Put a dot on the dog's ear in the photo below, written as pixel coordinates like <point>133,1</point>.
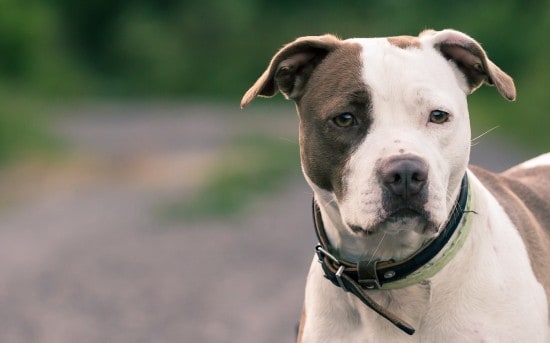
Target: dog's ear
<point>291,67</point>
<point>471,59</point>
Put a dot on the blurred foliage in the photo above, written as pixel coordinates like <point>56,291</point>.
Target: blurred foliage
<point>22,130</point>
<point>215,49</point>
<point>252,166</point>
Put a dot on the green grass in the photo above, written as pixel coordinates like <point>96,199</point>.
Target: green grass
<point>253,166</point>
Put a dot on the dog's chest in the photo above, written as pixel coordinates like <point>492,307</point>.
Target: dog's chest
<point>412,304</point>
<point>342,317</point>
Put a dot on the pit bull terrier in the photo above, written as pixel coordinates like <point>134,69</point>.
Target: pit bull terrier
<point>414,245</point>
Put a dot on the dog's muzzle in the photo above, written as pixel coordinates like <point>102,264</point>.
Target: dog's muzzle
<point>403,181</point>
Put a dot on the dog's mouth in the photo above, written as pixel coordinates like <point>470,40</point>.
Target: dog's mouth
<point>404,215</point>
<point>402,219</point>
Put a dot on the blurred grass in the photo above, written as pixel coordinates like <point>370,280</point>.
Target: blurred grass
<point>251,166</point>
<point>23,132</point>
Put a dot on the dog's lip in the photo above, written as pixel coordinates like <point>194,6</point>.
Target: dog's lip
<point>402,215</point>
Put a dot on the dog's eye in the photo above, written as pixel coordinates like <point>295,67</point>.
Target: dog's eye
<point>344,120</point>
<point>438,117</point>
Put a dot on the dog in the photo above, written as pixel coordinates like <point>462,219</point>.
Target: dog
<point>414,244</point>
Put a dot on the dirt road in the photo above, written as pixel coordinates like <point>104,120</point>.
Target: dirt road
<point>84,256</point>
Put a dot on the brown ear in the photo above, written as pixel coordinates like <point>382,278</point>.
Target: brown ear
<point>291,67</point>
<point>471,59</point>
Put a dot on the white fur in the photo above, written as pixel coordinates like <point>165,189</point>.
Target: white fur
<point>488,292</point>
<point>542,160</point>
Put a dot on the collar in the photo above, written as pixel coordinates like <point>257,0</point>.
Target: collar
<point>423,264</point>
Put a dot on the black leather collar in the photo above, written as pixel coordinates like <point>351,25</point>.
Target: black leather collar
<point>370,275</point>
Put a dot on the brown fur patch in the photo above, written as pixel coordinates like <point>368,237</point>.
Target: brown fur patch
<point>335,87</point>
<point>405,42</point>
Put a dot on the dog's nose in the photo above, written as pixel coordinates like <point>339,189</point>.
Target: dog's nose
<point>404,176</point>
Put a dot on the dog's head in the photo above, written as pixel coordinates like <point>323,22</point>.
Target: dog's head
<point>384,127</point>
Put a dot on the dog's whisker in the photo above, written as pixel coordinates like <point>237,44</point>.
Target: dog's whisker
<point>483,134</point>
<point>373,255</point>
<point>287,140</point>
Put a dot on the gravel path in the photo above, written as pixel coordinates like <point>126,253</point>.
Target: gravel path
<point>85,258</point>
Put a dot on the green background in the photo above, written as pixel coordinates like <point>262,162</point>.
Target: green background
<point>59,51</point>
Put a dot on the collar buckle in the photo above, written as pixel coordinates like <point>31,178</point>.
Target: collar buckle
<point>322,253</point>
<point>338,276</point>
